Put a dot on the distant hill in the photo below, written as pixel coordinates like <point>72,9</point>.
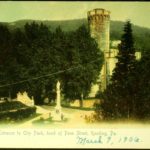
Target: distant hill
<point>141,34</point>
<point>66,25</point>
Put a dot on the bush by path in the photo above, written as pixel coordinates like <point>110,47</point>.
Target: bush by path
<point>15,110</point>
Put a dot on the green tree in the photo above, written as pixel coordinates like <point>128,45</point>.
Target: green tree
<point>119,97</point>
<point>82,52</point>
<point>125,68</point>
<point>143,87</point>
<point>39,41</point>
<point>33,54</point>
<point>7,62</point>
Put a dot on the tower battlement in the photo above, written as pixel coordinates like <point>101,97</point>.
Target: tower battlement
<point>98,11</point>
<point>98,21</point>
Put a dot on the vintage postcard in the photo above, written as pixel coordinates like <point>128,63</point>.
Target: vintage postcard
<point>74,74</point>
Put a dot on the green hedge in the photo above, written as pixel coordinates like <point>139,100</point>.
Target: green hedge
<point>17,114</point>
<point>6,106</point>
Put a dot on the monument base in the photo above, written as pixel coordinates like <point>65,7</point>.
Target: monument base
<point>57,116</point>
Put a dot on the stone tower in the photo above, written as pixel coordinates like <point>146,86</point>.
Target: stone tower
<point>99,20</point>
<point>99,24</point>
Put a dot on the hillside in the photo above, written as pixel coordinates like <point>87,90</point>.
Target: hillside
<point>66,25</point>
<point>141,34</point>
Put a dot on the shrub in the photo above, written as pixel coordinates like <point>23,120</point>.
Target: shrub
<point>17,114</point>
<point>6,106</point>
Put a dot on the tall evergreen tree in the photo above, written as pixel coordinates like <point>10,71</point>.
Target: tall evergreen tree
<point>126,56</point>
<point>125,69</point>
<point>119,97</point>
<point>142,110</point>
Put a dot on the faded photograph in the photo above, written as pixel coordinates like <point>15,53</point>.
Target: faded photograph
<point>74,64</point>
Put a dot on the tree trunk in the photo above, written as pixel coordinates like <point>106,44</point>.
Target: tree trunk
<point>81,101</point>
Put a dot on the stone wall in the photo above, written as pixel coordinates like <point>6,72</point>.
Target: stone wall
<point>25,99</point>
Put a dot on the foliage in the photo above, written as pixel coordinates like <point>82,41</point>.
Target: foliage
<point>39,58</point>
<point>119,97</point>
<point>77,82</point>
<point>18,114</point>
<point>143,87</point>
<point>6,106</point>
<point>5,56</point>
<point>128,95</point>
<point>139,33</point>
<point>15,110</point>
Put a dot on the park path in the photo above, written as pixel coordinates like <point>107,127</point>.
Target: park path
<point>75,117</point>
<point>43,113</point>
<point>75,120</point>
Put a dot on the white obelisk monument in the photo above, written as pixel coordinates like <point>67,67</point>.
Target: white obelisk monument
<point>58,103</point>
